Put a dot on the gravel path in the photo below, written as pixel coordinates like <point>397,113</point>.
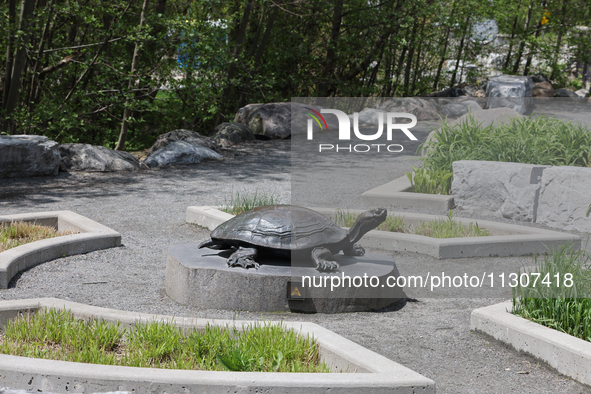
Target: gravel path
<point>430,336</point>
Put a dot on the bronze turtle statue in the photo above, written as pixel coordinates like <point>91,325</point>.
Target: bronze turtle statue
<point>285,231</point>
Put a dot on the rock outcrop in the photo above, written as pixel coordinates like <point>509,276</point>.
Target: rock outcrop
<point>86,157</point>
<point>28,155</point>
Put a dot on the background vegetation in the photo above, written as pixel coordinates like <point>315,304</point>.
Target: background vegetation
<point>120,72</point>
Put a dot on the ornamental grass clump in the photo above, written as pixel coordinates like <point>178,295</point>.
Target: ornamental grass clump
<point>261,347</point>
<point>560,296</point>
<point>14,234</point>
<point>242,202</point>
<point>540,141</point>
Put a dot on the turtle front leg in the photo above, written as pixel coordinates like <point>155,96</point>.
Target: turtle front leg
<point>354,250</point>
<point>243,257</point>
<point>321,256</point>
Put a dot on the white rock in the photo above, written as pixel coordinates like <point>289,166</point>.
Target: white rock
<point>86,157</point>
<point>510,91</point>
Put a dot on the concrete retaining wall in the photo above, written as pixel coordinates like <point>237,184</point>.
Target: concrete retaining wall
<point>555,196</point>
<point>368,371</point>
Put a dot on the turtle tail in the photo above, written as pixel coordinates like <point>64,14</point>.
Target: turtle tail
<point>212,244</point>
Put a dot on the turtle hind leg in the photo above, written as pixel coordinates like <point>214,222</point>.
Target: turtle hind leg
<point>212,244</point>
<point>320,257</point>
<point>243,257</point>
<point>354,250</point>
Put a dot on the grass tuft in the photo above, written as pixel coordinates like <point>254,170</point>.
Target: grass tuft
<point>14,234</point>
<point>561,298</point>
<point>444,228</point>
<point>58,335</point>
<point>541,141</point>
<point>242,202</point>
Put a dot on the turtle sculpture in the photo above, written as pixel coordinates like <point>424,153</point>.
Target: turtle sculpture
<point>286,231</point>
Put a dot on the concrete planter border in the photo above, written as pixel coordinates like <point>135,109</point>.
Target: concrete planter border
<point>369,372</point>
<point>397,193</point>
<point>507,239</point>
<point>569,355</point>
<point>92,236</point>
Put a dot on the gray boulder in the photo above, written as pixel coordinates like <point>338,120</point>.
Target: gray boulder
<point>86,157</point>
<point>543,89</point>
<point>507,190</point>
<point>230,133</point>
<point>582,93</point>
<point>485,118</point>
<point>180,152</point>
<point>28,155</point>
<point>455,110</point>
<point>272,120</point>
<point>421,108</point>
<point>510,91</point>
<point>190,136</point>
<point>565,93</point>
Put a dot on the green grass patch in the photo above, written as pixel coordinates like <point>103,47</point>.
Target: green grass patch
<point>262,347</point>
<point>541,141</point>
<point>241,202</point>
<point>561,297</point>
<point>15,234</point>
<point>443,228</point>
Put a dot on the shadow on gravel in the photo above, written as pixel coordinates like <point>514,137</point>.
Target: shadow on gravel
<point>268,160</point>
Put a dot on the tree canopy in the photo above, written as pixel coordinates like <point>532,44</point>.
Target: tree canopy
<point>118,73</point>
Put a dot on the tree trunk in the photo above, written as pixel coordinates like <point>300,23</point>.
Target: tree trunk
<point>443,58</point>
<point>554,73</point>
<point>226,96</point>
<point>134,66</point>
<point>530,55</point>
<point>35,77</point>
<point>20,61</point>
<point>508,58</point>
<point>9,51</point>
<point>325,85</point>
<point>522,44</point>
<point>453,77</point>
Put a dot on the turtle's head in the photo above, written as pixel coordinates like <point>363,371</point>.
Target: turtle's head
<point>365,222</point>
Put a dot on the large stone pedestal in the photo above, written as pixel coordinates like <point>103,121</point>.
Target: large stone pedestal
<point>201,278</point>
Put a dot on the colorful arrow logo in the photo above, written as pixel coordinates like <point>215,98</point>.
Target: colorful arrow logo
<point>317,115</point>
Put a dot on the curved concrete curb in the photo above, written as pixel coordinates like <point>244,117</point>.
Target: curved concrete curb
<point>567,354</point>
<point>397,193</point>
<point>92,236</point>
<point>370,372</point>
<point>507,239</point>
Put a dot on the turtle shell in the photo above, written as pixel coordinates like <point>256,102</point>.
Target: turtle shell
<point>282,227</point>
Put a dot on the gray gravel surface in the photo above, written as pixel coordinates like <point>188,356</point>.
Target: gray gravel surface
<point>431,336</point>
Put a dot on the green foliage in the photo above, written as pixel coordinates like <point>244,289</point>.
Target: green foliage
<point>552,302</point>
<point>430,181</point>
<point>58,335</point>
<point>542,141</point>
<point>213,57</point>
